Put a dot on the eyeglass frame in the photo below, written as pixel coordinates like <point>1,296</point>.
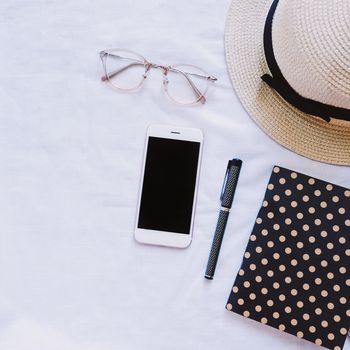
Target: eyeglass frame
<point>148,66</point>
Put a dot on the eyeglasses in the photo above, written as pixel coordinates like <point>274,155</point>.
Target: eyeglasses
<point>126,71</point>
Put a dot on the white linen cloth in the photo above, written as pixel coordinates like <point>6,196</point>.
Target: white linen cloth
<point>71,275</point>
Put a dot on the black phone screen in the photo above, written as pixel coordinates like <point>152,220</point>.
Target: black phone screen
<point>169,185</point>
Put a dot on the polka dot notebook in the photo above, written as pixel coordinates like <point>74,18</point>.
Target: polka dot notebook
<point>295,271</point>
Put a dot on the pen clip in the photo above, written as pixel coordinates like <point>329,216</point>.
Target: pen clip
<point>225,181</point>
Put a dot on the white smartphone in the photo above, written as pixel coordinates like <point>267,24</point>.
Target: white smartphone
<point>168,189</point>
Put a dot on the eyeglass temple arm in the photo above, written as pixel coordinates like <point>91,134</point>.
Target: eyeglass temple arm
<point>114,73</point>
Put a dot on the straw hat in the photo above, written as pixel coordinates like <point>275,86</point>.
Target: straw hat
<point>289,62</point>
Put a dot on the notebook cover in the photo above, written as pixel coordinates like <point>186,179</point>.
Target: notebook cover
<point>295,271</point>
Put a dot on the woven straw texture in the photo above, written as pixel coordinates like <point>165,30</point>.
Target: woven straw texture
<point>306,135</point>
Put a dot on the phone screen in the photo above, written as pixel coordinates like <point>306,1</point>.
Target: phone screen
<point>169,185</point>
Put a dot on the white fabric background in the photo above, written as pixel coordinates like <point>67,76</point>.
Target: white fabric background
<point>71,275</point>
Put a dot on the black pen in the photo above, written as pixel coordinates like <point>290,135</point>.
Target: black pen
<point>226,198</point>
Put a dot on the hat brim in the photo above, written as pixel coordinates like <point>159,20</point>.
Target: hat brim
<point>304,134</point>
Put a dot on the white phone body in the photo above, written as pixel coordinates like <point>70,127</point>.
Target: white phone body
<point>166,134</point>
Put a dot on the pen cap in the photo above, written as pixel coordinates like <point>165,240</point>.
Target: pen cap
<point>234,169</point>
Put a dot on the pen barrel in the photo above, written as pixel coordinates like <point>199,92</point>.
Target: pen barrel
<point>216,245</point>
<point>231,184</point>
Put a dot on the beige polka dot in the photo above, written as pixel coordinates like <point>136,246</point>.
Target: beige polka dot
<point>330,275</point>
<point>294,262</point>
<point>318,341</point>
<point>324,263</point>
<point>342,300</point>
<point>282,181</point>
<point>282,210</point>
<point>318,311</point>
<point>337,348</point>
<point>294,204</point>
<point>312,210</point>
<point>264,291</point>
<point>270,273</point>
<point>288,309</point>
<point>318,222</point>
<point>270,186</point>
<point>318,281</point>
<point>318,251</point>
<point>343,331</point>
<point>348,313</point>
<point>311,181</point>
<point>306,257</point>
<point>264,320</point>
<point>336,228</point>
<point>246,313</point>
<point>265,204</point>
<point>342,240</point>
<point>336,288</point>
<point>312,239</point>
<point>235,289</point>
<point>293,175</point>
<point>282,327</point>
<point>324,324</point>
<point>252,296</point>
<point>341,211</point>
<point>258,308</point>
<point>276,169</point>
<point>264,261</point>
<point>347,223</point>
<point>241,272</point>
<point>317,193</point>
<point>276,285</point>
<point>258,279</point>
<point>312,268</point>
<point>323,204</point>
<point>300,187</point>
<point>276,197</point>
<point>336,318</point>
<point>288,280</point>
<point>247,255</point>
<point>306,317</point>
<point>275,315</point>
<point>312,298</point>
<point>276,256</point>
<point>300,304</point>
<point>306,198</point>
<point>294,292</point>
<point>252,267</point>
<point>330,306</point>
<point>293,322</point>
<point>324,293</point>
<point>229,307</point>
<point>330,336</point>
<point>288,221</point>
<point>288,192</point>
<point>330,245</point>
<point>288,250</point>
<point>269,302</point>
<point>282,238</point>
<point>258,250</point>
<point>329,187</point>
<point>270,244</point>
<point>329,216</point>
<point>342,269</point>
<point>264,232</point>
<point>306,286</point>
<point>282,268</point>
<point>246,284</point>
<point>240,301</point>
<point>347,252</point>
<point>300,245</point>
<point>276,227</point>
<point>253,238</point>
<point>294,233</point>
<point>324,234</point>
<point>306,227</point>
<point>282,297</point>
<point>300,216</point>
<point>300,334</point>
<point>270,215</point>
<point>347,193</point>
<point>258,221</point>
<point>335,199</point>
<point>300,274</point>
<point>312,329</point>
